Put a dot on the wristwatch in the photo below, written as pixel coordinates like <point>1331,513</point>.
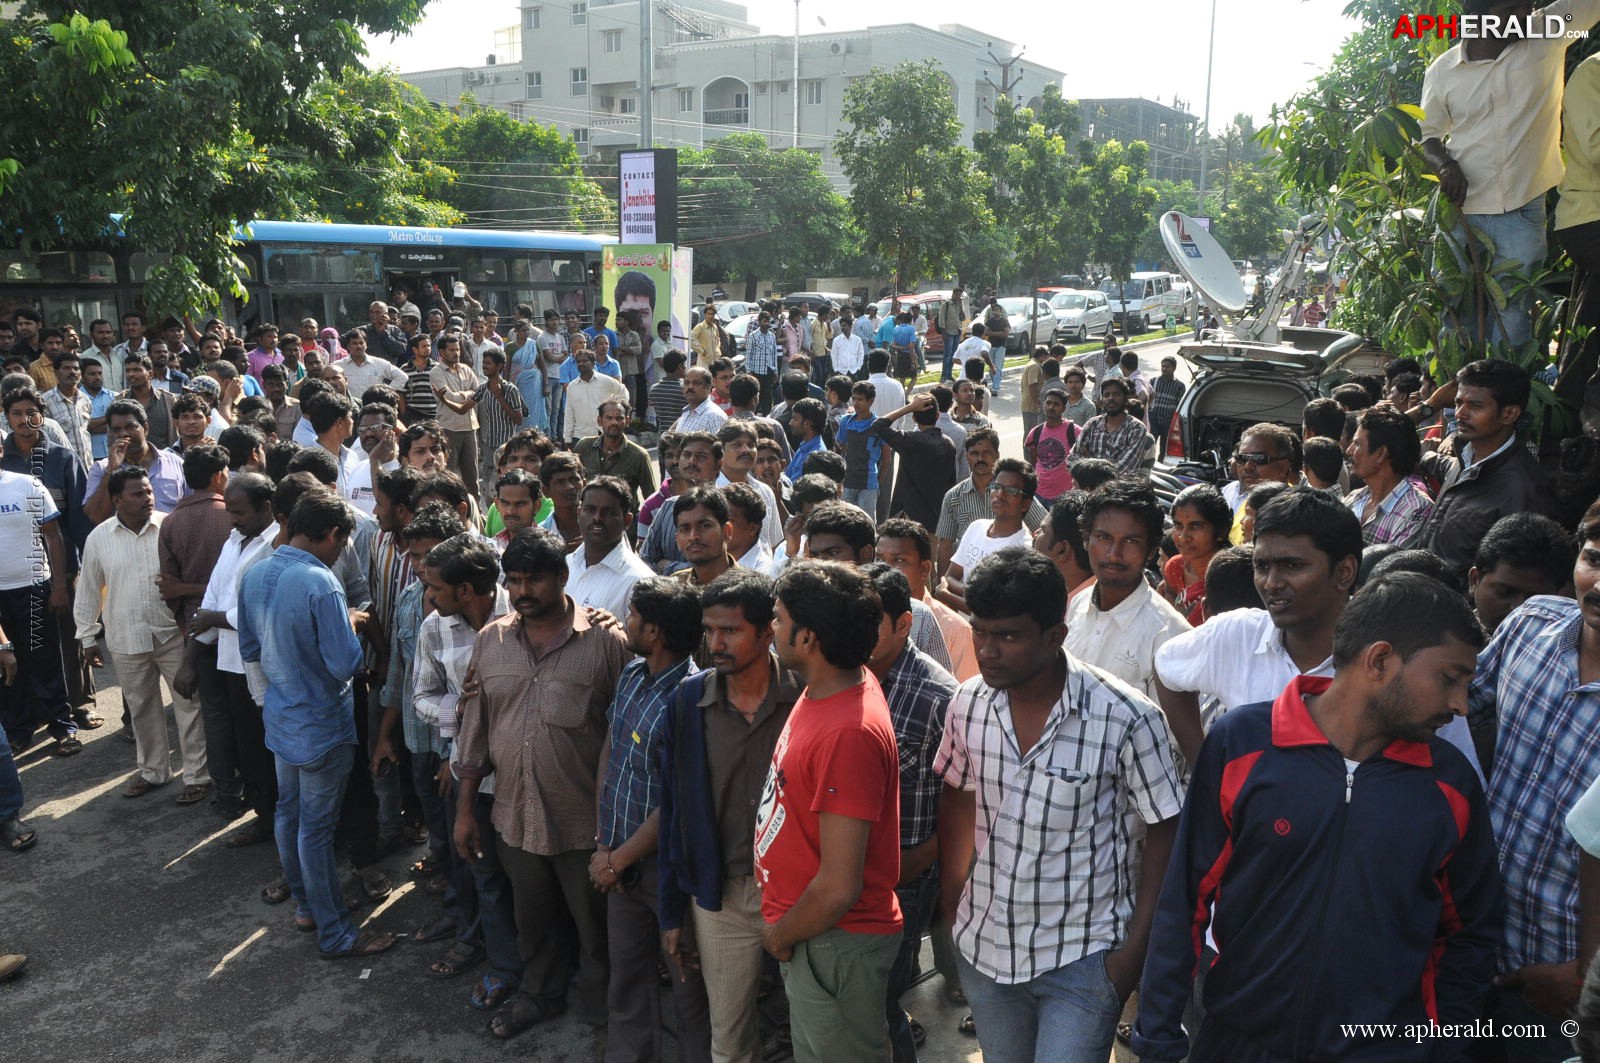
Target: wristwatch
<point>6,647</point>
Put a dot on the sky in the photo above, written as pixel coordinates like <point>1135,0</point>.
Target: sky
<point>1155,49</point>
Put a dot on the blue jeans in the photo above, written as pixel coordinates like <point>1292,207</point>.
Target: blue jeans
<point>10,781</point>
<point>946,374</point>
<point>917,902</point>
<point>309,796</point>
<point>1518,236</point>
<point>1068,1015</point>
<point>864,497</point>
<point>997,353</point>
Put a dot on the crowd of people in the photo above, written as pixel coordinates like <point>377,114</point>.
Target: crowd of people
<point>828,672</point>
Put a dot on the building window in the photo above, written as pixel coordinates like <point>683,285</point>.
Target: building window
<point>535,85</point>
<point>814,92</point>
<point>580,81</point>
<point>741,101</point>
<point>514,110</point>
<point>761,88</point>
<point>613,40</point>
<point>530,19</point>
<point>685,100</point>
<point>580,13</point>
<point>580,137</point>
<point>629,105</point>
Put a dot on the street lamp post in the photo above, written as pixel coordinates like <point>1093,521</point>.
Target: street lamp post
<point>1205,131</point>
<point>647,137</point>
<point>794,87</point>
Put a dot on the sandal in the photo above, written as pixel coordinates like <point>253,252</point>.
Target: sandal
<point>140,786</point>
<point>968,1027</point>
<point>415,833</point>
<point>276,893</point>
<point>194,792</point>
<point>17,835</point>
<point>305,924</point>
<point>455,961</point>
<point>439,929</point>
<point>255,834</point>
<point>67,747</point>
<point>87,720</point>
<point>490,993</point>
<point>375,885</point>
<point>367,943</point>
<point>525,1012</point>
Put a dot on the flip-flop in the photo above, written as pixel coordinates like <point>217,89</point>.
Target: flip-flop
<point>968,1027</point>
<point>367,943</point>
<point>305,924</point>
<point>67,747</point>
<point>17,835</point>
<point>193,793</point>
<point>490,993</point>
<point>276,892</point>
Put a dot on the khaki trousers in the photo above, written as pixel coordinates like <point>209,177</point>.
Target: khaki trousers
<point>730,961</point>
<point>140,675</point>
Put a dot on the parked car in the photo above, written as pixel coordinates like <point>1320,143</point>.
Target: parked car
<point>814,301</point>
<point>1024,312</point>
<point>1236,385</point>
<point>739,328</point>
<point>730,310</point>
<point>1080,314</point>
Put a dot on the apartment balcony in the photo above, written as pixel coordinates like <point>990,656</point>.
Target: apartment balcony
<point>727,116</point>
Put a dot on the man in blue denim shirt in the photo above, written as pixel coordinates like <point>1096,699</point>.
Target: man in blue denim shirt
<point>293,622</point>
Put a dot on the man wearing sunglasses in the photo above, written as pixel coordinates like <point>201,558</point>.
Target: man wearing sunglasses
<point>1267,453</point>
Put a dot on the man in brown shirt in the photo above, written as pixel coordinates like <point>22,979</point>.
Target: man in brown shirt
<point>190,540</point>
<point>717,749</point>
<point>533,711</point>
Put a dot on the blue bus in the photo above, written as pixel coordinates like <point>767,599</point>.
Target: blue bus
<point>294,270</point>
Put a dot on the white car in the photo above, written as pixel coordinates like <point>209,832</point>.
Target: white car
<point>1080,314</point>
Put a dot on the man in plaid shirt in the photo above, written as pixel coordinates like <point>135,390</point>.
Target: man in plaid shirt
<point>761,358</point>
<point>663,628</point>
<point>1114,435</point>
<point>918,691</point>
<point>1050,767</point>
<point>1537,680</point>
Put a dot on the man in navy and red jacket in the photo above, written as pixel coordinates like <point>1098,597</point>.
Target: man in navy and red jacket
<point>1340,854</point>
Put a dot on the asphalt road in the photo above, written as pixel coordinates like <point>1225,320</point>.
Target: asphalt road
<point>148,939</point>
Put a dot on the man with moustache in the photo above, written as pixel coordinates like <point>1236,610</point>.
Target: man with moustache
<point>544,679</point>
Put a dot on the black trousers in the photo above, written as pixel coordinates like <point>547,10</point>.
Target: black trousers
<point>256,768</point>
<point>38,698</point>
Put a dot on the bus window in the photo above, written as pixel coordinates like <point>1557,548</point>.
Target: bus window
<point>532,269</point>
<point>18,266</point>
<point>485,270</point>
<point>141,262</point>
<point>76,311</point>
<point>568,270</point>
<point>293,265</point>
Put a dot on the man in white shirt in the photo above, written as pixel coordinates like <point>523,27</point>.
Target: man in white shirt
<point>248,498</point>
<point>849,351</point>
<point>375,433</point>
<point>1121,623</point>
<point>1497,99</point>
<point>738,439</point>
<point>700,411</point>
<point>604,569</point>
<point>35,586</point>
<point>891,396</point>
<point>1307,553</point>
<point>120,565</point>
<point>746,514</point>
<point>585,393</point>
<point>363,370</point>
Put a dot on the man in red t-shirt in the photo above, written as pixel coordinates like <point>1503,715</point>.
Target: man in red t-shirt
<point>827,842</point>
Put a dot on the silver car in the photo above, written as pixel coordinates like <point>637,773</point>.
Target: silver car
<point>1080,314</point>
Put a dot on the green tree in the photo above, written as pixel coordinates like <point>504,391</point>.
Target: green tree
<point>756,212</point>
<point>508,173</point>
<point>913,185</point>
<point>1250,214</point>
<point>1121,201</point>
<point>1035,190</point>
<point>169,113</point>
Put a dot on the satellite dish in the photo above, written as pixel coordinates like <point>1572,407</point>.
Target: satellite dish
<point>1203,261</point>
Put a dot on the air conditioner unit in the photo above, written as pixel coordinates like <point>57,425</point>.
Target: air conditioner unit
<point>474,77</point>
<point>836,47</point>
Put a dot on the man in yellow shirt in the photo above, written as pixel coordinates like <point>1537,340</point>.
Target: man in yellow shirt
<point>706,338</point>
<point>1578,230</point>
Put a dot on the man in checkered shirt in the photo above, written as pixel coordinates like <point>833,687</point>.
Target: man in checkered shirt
<point>1051,767</point>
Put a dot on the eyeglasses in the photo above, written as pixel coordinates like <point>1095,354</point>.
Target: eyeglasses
<point>1007,490</point>
<point>1254,457</point>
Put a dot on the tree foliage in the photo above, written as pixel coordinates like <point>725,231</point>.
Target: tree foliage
<point>164,111</point>
<point>913,183</point>
<point>751,210</point>
<point>1121,201</point>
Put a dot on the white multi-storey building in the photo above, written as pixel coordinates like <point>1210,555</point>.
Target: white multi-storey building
<point>713,73</point>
